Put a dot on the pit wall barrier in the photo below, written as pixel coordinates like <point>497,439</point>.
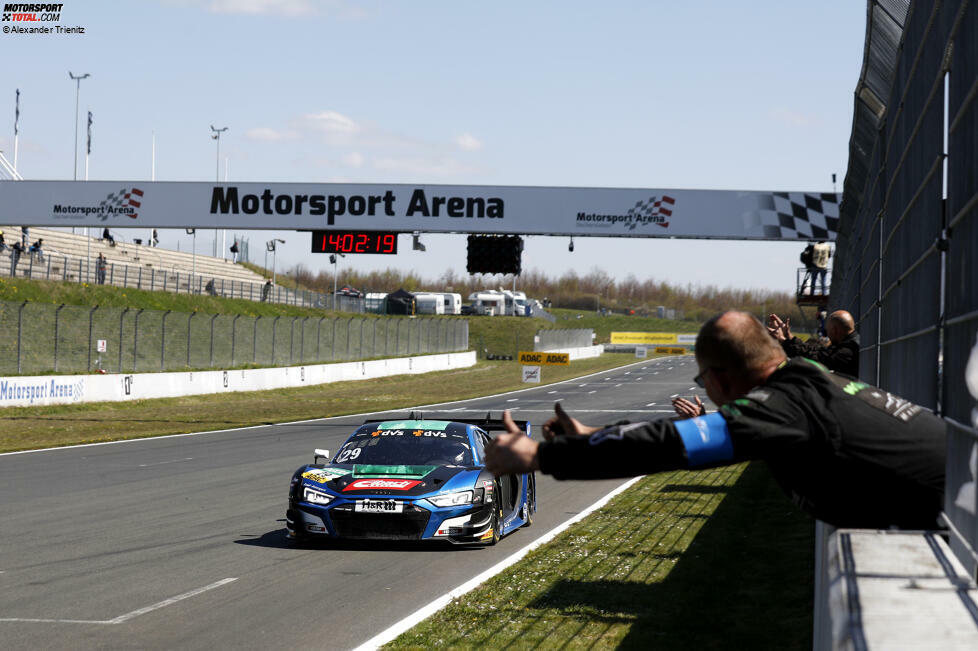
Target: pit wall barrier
<point>40,390</point>
<point>580,353</point>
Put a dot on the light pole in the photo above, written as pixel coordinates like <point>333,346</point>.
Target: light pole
<point>333,258</point>
<point>217,175</point>
<point>270,245</point>
<point>77,96</point>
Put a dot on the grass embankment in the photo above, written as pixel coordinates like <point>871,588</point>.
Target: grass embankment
<point>715,559</point>
<point>24,428</point>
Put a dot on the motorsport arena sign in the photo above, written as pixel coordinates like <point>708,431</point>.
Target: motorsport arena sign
<point>600,212</point>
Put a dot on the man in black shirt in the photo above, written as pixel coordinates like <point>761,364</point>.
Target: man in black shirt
<point>848,453</point>
<point>842,356</point>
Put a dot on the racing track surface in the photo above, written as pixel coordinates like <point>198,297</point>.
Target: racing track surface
<point>179,542</point>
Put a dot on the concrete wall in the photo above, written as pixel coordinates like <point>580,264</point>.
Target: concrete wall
<point>28,391</point>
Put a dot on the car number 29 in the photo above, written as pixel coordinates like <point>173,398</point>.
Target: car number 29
<point>348,455</point>
<point>378,506</point>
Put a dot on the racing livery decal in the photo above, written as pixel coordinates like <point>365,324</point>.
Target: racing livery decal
<point>382,484</point>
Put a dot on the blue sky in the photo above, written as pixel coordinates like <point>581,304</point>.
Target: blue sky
<point>705,95</point>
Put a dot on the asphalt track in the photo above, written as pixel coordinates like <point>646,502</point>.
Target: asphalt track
<point>179,542</point>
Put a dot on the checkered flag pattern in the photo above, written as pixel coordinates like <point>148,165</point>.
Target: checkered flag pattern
<point>124,198</point>
<point>651,207</point>
<point>799,215</point>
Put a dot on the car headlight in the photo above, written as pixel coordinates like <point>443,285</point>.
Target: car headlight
<point>452,499</point>
<point>315,497</point>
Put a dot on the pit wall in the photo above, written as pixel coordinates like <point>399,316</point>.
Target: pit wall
<point>40,390</point>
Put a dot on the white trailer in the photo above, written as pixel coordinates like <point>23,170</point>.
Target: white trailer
<point>489,303</point>
<point>453,303</point>
<point>429,304</point>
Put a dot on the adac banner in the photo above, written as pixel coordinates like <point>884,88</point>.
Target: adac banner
<point>613,212</point>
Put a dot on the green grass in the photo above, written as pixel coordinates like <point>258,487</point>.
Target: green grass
<point>715,559</point>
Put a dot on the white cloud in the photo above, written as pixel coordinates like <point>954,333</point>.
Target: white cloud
<point>468,142</point>
<point>795,118</point>
<point>354,159</point>
<point>331,122</point>
<point>266,134</point>
<point>421,166</point>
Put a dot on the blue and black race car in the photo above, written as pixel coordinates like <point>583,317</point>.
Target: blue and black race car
<point>411,479</point>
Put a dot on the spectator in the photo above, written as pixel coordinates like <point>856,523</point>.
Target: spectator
<point>15,252</point>
<point>847,453</point>
<point>156,239</point>
<point>266,290</point>
<point>100,266</point>
<point>209,287</point>
<point>841,356</point>
<point>820,261</point>
<point>36,251</point>
<point>3,244</point>
<point>107,236</point>
<point>234,252</point>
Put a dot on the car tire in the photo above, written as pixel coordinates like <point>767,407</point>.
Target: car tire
<point>496,524</point>
<point>531,495</point>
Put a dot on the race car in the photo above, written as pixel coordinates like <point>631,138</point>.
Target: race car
<point>412,479</point>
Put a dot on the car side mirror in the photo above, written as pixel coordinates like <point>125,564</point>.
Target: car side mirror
<point>320,453</point>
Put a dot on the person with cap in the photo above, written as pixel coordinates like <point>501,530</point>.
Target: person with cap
<point>845,452</point>
<point>841,356</point>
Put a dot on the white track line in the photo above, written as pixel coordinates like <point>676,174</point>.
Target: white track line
<point>299,422</point>
<point>427,611</point>
<point>124,618</point>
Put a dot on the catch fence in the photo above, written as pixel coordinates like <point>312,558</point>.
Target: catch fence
<point>40,338</point>
<point>906,261</point>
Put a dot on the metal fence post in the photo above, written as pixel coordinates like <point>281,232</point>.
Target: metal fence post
<point>91,323</point>
<point>112,274</point>
<point>20,330</point>
<point>254,342</point>
<point>135,339</point>
<point>274,325</point>
<point>292,338</point>
<point>125,276</point>
<point>332,342</point>
<point>234,328</point>
<point>163,340</point>
<point>349,327</point>
<point>152,278</point>
<point>64,268</point>
<point>57,313</point>
<point>190,320</point>
<point>212,338</point>
<point>319,325</point>
<point>122,316</point>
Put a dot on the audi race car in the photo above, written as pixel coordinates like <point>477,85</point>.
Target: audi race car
<point>412,479</point>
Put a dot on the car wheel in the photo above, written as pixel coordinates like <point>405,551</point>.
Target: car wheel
<point>531,495</point>
<point>497,519</point>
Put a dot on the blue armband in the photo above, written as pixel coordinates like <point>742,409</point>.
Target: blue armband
<point>707,440</point>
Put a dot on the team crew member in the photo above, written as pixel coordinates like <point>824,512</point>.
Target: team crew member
<point>842,356</point>
<point>847,453</point>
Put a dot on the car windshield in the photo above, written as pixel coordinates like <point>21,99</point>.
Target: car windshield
<point>406,447</point>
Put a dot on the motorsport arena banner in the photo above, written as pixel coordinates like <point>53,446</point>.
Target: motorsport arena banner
<point>600,212</point>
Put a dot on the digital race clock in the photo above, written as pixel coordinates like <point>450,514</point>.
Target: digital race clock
<point>354,242</point>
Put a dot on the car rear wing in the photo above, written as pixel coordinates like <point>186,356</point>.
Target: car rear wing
<point>488,424</point>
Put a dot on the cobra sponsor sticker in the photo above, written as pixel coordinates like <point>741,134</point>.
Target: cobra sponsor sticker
<point>323,475</point>
<point>382,484</point>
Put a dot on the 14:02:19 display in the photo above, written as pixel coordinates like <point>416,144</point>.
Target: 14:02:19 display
<point>354,242</point>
